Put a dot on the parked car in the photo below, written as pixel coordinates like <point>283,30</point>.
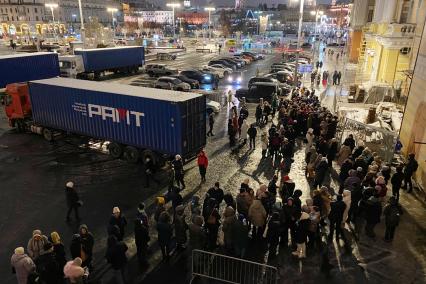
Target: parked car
<point>235,77</point>
<point>261,79</point>
<point>226,71</point>
<point>166,56</point>
<point>212,106</point>
<point>159,70</point>
<point>258,90</point>
<point>218,72</point>
<point>233,62</point>
<point>201,77</point>
<point>170,83</point>
<point>245,59</point>
<point>238,60</point>
<point>193,83</point>
<point>222,62</point>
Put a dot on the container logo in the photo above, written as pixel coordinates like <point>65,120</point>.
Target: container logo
<point>117,115</point>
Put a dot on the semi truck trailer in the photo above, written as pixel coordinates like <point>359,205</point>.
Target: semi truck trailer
<point>92,63</point>
<point>137,122</point>
<point>25,67</point>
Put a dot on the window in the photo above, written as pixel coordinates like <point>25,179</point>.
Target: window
<point>36,18</point>
<point>405,11</point>
<point>28,10</point>
<point>12,19</point>
<point>11,10</point>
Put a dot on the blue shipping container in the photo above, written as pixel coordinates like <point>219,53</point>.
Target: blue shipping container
<point>101,59</point>
<point>26,67</point>
<point>168,122</point>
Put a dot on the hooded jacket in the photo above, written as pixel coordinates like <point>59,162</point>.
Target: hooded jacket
<point>73,272</point>
<point>23,266</point>
<point>257,213</point>
<point>35,247</point>
<point>228,223</point>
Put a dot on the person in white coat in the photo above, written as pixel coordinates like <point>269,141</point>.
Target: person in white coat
<point>347,200</point>
<point>265,141</point>
<point>310,139</point>
<point>244,129</point>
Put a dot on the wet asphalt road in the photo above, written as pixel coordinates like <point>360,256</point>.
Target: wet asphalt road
<point>33,173</point>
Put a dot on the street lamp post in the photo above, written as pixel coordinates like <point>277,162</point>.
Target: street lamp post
<point>52,6</point>
<point>173,6</point>
<point>82,33</point>
<point>112,11</point>
<point>318,15</point>
<point>299,37</point>
<point>210,9</point>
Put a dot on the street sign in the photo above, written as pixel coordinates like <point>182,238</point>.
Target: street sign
<point>305,68</point>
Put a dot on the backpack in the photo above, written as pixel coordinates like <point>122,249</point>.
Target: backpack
<point>393,216</point>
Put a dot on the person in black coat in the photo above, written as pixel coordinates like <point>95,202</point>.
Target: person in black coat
<point>350,141</point>
<point>396,182</point>
<point>141,240</point>
<point>273,234</point>
<point>72,200</point>
<point>230,201</point>
<point>75,246</point>
<point>117,219</point>
<point>47,266</point>
<point>373,211</point>
<point>252,133</point>
<point>87,243</point>
<point>165,234</point>
<point>116,257</point>
<point>59,250</point>
<point>344,171</point>
<point>258,113</point>
<point>409,170</point>
<point>288,222</point>
<point>321,172</point>
<point>212,222</point>
<point>336,217</point>
<point>301,234</point>
<point>332,152</point>
<point>179,173</point>
<point>217,193</point>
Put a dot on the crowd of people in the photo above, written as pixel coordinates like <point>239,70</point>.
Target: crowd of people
<point>272,214</point>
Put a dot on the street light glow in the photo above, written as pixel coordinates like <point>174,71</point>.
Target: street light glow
<point>51,5</point>
<point>173,5</point>
<point>209,9</point>
<point>112,10</point>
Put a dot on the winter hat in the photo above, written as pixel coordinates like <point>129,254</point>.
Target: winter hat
<point>19,250</point>
<point>297,193</point>
<point>178,157</point>
<point>55,237</point>
<point>115,210</point>
<point>359,169</point>
<point>198,220</point>
<point>77,261</point>
<point>37,233</point>
<point>161,200</point>
<point>286,178</point>
<point>310,130</point>
<point>69,184</point>
<point>324,159</point>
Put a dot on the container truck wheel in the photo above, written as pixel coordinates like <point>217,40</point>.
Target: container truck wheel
<point>151,155</point>
<point>47,134</point>
<point>115,150</point>
<point>131,154</point>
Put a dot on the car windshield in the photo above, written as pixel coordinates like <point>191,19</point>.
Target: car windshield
<point>261,91</point>
<point>176,81</point>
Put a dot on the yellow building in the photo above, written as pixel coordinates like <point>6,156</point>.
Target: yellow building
<point>413,128</point>
<point>385,47</point>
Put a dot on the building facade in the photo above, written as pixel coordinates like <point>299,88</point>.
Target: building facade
<point>19,17</point>
<point>413,130</point>
<point>385,47</point>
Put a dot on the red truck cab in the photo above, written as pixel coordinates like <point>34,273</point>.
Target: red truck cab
<point>17,104</point>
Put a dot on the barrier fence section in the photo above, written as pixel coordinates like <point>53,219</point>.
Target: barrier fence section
<point>229,269</point>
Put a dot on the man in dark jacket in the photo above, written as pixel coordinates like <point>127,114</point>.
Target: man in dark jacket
<point>87,243</point>
<point>165,233</point>
<point>179,173</point>
<point>373,211</point>
<point>116,257</point>
<point>392,213</point>
<point>211,124</point>
<point>197,234</point>
<point>321,172</point>
<point>47,266</point>
<point>350,141</point>
<point>396,182</point>
<point>217,193</point>
<point>181,227</point>
<point>410,169</point>
<point>141,240</point>
<point>336,217</point>
<point>72,200</point>
<point>239,233</point>
<point>117,219</point>
<point>252,133</point>
<point>258,113</point>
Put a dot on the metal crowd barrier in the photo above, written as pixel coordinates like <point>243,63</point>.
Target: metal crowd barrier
<point>229,269</point>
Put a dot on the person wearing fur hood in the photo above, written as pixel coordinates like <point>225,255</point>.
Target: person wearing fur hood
<point>227,226</point>
<point>22,265</point>
<point>302,225</point>
<point>36,244</point>
<point>73,271</point>
<point>257,215</point>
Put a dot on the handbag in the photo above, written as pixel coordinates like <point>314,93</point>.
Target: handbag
<point>211,220</point>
